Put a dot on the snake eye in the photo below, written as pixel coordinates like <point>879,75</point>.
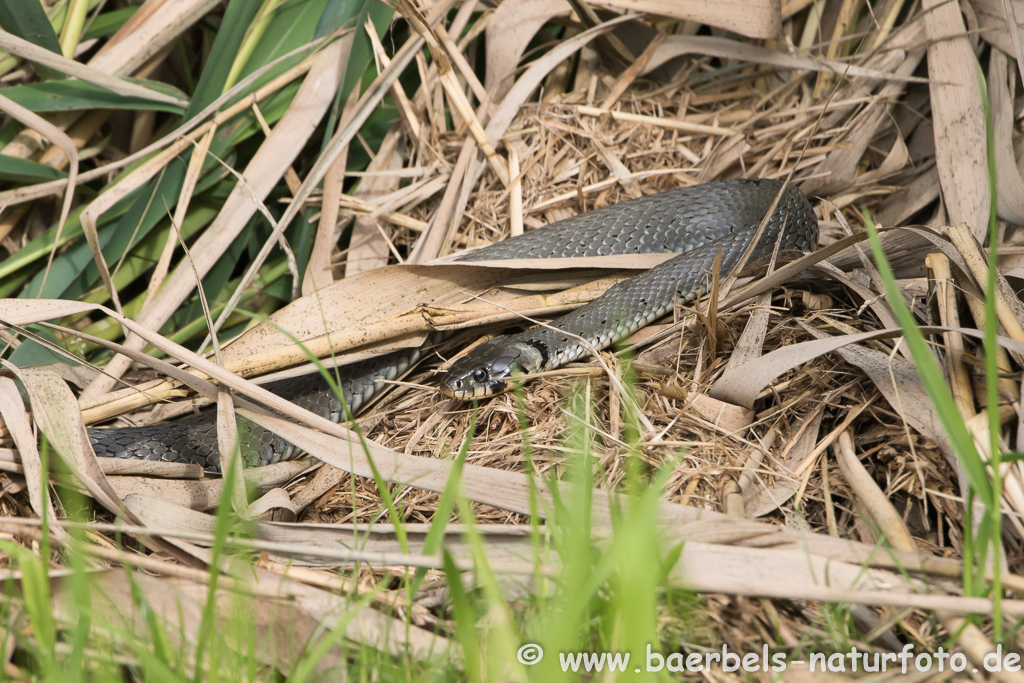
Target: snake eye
<point>480,375</point>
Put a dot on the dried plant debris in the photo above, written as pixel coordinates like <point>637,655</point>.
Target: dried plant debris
<point>802,460</point>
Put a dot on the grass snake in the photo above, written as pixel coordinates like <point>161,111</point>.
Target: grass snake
<point>697,222</point>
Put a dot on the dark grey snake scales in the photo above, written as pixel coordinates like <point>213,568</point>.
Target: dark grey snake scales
<point>697,221</point>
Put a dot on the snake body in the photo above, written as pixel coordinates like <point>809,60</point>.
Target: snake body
<point>194,439</point>
<point>698,222</point>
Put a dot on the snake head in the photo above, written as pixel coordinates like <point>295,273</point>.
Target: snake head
<point>485,371</point>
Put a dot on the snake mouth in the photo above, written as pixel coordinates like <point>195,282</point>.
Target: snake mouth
<point>465,388</point>
<point>492,368</point>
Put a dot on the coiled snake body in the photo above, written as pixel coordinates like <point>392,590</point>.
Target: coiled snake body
<point>697,221</point>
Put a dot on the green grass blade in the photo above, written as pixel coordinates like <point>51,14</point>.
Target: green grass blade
<point>225,521</point>
<point>993,508</point>
<point>25,171</point>
<point>109,23</point>
<point>465,617</point>
<point>252,37</point>
<point>77,95</point>
<point>27,19</point>
<point>237,17</point>
<point>934,382</point>
<point>35,591</point>
<point>931,374</point>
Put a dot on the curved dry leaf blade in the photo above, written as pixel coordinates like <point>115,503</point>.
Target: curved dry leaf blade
<point>841,170</point>
<point>27,311</point>
<point>960,139</point>
<point>879,305</point>
<point>723,48</point>
<point>274,504</point>
<point>992,25</point>
<point>55,410</point>
<point>510,28</point>
<point>16,421</point>
<point>1009,184</point>
<point>514,23</point>
<point>898,381</point>
<point>782,275</point>
<point>531,79</point>
<point>744,388</point>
